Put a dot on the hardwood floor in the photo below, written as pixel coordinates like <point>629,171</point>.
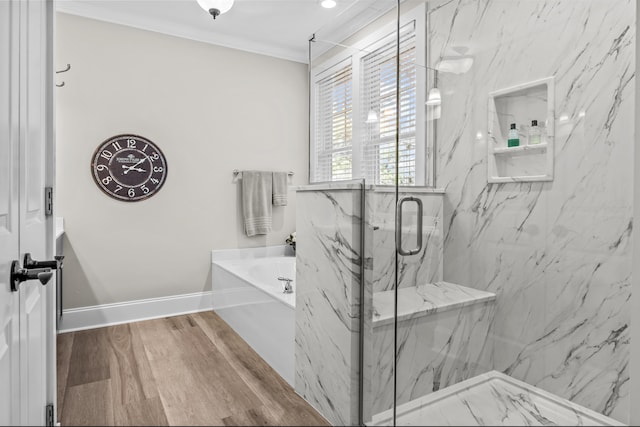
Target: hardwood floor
<point>185,370</point>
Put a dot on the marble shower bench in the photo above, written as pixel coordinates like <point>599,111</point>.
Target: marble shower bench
<point>422,300</point>
<point>443,338</point>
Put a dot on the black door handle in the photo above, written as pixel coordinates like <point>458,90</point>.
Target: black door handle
<point>19,275</point>
<point>30,263</point>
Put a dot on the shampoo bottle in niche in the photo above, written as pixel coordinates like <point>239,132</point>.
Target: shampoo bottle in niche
<point>535,135</point>
<point>514,138</point>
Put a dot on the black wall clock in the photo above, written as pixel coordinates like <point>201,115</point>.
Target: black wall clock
<point>129,167</point>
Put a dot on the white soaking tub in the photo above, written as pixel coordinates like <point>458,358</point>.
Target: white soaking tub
<point>249,297</point>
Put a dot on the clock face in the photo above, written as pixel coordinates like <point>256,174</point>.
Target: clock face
<point>129,167</point>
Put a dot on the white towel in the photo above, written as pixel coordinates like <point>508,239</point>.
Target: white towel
<point>280,188</point>
<point>256,202</point>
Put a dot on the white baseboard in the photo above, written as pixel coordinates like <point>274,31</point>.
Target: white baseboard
<point>98,316</point>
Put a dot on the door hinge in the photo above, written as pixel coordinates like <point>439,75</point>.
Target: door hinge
<point>48,201</point>
<point>50,420</point>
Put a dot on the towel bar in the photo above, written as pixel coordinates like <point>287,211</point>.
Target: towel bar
<point>237,172</point>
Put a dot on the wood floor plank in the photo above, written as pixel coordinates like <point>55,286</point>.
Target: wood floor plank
<point>185,400</point>
<point>236,420</point>
<point>197,376</point>
<point>184,395</point>
<point>158,341</point>
<point>214,369</point>
<point>89,357</point>
<point>180,322</point>
<point>130,372</point>
<point>64,344</point>
<point>144,368</point>
<point>250,417</point>
<point>184,370</point>
<point>282,405</point>
<point>147,412</point>
<point>88,405</point>
<point>257,417</point>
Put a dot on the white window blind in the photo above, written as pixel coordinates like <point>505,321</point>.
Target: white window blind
<point>354,110</point>
<point>378,89</point>
<point>334,126</point>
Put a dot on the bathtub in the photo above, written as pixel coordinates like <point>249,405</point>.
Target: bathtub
<point>247,294</point>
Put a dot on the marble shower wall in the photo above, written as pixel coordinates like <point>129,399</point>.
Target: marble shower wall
<point>328,260</point>
<point>557,254</point>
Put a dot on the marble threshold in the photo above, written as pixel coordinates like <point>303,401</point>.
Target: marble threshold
<point>422,300</point>
<point>493,399</point>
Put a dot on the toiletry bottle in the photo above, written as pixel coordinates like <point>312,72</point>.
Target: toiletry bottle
<point>534,133</point>
<point>514,138</point>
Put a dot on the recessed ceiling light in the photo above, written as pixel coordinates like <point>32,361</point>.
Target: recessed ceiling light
<point>328,4</point>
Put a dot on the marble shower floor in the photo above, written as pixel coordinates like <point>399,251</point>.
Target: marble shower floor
<point>493,399</point>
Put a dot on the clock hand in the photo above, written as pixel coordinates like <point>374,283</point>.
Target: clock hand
<point>141,160</point>
<point>128,168</point>
<point>132,168</point>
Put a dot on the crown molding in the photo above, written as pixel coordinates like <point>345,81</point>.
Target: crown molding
<point>95,11</point>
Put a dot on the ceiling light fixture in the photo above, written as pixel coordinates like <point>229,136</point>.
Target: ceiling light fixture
<point>328,4</point>
<point>216,7</point>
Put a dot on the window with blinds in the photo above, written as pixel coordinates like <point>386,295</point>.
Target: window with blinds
<point>354,112</point>
<point>334,126</point>
<point>378,89</point>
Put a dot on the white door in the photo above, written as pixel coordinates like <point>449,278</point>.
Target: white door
<point>24,131</point>
<point>33,222</point>
<point>9,223</point>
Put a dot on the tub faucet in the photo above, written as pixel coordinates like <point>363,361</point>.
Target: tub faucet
<point>288,289</point>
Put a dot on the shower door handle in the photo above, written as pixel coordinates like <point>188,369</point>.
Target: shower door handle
<point>399,247</point>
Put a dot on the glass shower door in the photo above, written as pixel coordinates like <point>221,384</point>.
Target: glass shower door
<point>439,328</point>
<point>418,330</point>
<point>352,133</point>
<point>368,123</point>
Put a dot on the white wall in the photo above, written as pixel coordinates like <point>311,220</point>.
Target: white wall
<point>211,110</point>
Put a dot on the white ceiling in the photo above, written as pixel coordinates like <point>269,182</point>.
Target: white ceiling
<point>279,28</point>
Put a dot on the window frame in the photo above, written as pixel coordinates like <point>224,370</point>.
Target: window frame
<point>313,152</point>
<point>424,172</point>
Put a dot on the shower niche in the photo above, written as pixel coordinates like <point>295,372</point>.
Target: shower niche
<point>521,104</point>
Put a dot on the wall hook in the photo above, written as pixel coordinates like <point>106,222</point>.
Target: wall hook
<point>65,70</point>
